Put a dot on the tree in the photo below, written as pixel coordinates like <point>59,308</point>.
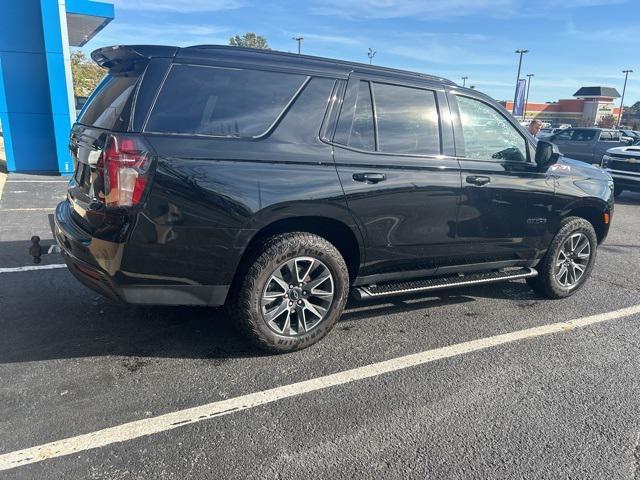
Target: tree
<point>607,121</point>
<point>249,40</point>
<point>86,74</point>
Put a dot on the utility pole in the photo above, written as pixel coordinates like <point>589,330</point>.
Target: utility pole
<point>526,97</point>
<point>626,75</point>
<point>515,95</point>
<point>299,40</point>
<point>464,81</point>
<point>371,54</point>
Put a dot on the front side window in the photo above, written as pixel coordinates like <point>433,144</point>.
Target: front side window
<point>407,120</point>
<point>583,135</point>
<point>488,135</point>
<point>564,135</point>
<point>224,102</point>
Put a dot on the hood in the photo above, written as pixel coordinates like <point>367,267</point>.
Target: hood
<point>629,151</point>
<point>576,168</point>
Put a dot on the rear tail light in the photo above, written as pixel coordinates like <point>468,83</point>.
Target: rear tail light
<point>125,163</point>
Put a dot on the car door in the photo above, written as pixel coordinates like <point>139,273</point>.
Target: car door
<point>394,155</point>
<point>506,201</point>
<point>582,145</point>
<point>608,139</point>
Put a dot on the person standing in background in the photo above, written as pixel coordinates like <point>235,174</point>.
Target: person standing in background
<point>534,127</point>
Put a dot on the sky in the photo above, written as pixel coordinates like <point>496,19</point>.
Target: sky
<point>571,43</point>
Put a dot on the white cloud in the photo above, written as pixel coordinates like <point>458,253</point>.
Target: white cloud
<point>181,6</point>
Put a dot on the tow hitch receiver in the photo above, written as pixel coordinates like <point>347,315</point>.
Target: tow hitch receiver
<point>36,250</point>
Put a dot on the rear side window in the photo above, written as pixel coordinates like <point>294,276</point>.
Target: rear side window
<point>358,132</point>
<point>109,106</point>
<point>221,102</point>
<point>404,119</point>
<point>407,120</point>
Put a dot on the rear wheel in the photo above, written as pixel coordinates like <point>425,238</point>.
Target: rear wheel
<point>568,261</point>
<point>293,293</point>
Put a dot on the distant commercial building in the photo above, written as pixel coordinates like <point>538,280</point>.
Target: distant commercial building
<point>585,110</point>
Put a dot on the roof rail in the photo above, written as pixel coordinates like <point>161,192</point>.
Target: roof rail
<point>345,63</point>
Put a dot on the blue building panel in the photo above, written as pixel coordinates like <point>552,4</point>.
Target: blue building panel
<point>36,92</point>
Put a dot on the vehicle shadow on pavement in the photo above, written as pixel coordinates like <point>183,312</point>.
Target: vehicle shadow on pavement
<point>48,315</point>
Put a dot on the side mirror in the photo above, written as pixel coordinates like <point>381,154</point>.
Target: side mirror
<point>627,140</point>
<point>546,154</point>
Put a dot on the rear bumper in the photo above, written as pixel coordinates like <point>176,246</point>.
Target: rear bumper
<point>628,180</point>
<point>96,264</point>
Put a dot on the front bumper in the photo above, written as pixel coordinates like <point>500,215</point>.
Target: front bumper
<point>628,180</point>
<point>96,263</point>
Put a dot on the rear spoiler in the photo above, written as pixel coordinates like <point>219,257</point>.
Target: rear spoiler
<point>119,57</point>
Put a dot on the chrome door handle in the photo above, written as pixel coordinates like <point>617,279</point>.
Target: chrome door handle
<point>478,180</point>
<point>369,177</point>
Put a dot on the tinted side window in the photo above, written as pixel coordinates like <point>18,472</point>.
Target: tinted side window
<point>358,131</point>
<point>488,134</point>
<point>109,106</point>
<point>407,120</point>
<point>224,102</point>
<point>583,135</point>
<point>564,135</point>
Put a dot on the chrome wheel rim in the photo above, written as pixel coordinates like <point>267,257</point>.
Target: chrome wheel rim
<point>297,296</point>
<point>572,260</point>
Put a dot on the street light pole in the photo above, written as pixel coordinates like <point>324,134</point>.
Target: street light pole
<point>371,54</point>
<point>626,75</point>
<point>526,98</point>
<point>515,95</point>
<point>299,40</point>
<point>464,81</point>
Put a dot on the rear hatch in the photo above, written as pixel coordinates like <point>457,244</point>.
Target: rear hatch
<point>111,160</point>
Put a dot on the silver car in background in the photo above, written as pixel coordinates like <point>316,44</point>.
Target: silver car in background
<point>588,144</point>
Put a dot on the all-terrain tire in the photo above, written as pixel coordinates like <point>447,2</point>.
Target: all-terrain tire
<point>546,283</point>
<point>246,306</point>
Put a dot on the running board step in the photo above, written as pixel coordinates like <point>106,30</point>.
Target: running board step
<point>425,285</point>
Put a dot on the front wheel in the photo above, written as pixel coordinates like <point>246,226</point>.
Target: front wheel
<point>293,293</point>
<point>568,261</point>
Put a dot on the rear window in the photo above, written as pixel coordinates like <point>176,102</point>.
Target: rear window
<point>109,106</point>
<point>221,102</point>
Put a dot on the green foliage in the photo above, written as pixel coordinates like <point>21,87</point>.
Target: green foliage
<point>249,40</point>
<point>86,74</point>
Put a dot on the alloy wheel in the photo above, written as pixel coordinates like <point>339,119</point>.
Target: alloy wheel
<point>572,260</point>
<point>297,296</point>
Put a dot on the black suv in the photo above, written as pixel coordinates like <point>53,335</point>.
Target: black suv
<point>276,183</point>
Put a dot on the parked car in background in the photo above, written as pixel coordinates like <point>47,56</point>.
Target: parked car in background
<point>623,164</point>
<point>279,183</point>
<point>547,132</point>
<point>588,144</point>
<point>631,134</point>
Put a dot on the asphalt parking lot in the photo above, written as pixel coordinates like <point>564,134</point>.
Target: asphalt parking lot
<point>561,403</point>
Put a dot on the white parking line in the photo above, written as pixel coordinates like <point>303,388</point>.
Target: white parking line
<point>37,181</point>
<point>28,268</point>
<point>169,421</point>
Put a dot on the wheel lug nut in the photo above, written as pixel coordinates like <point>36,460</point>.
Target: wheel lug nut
<point>304,292</point>
<point>299,302</point>
<point>290,303</point>
<point>290,286</point>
